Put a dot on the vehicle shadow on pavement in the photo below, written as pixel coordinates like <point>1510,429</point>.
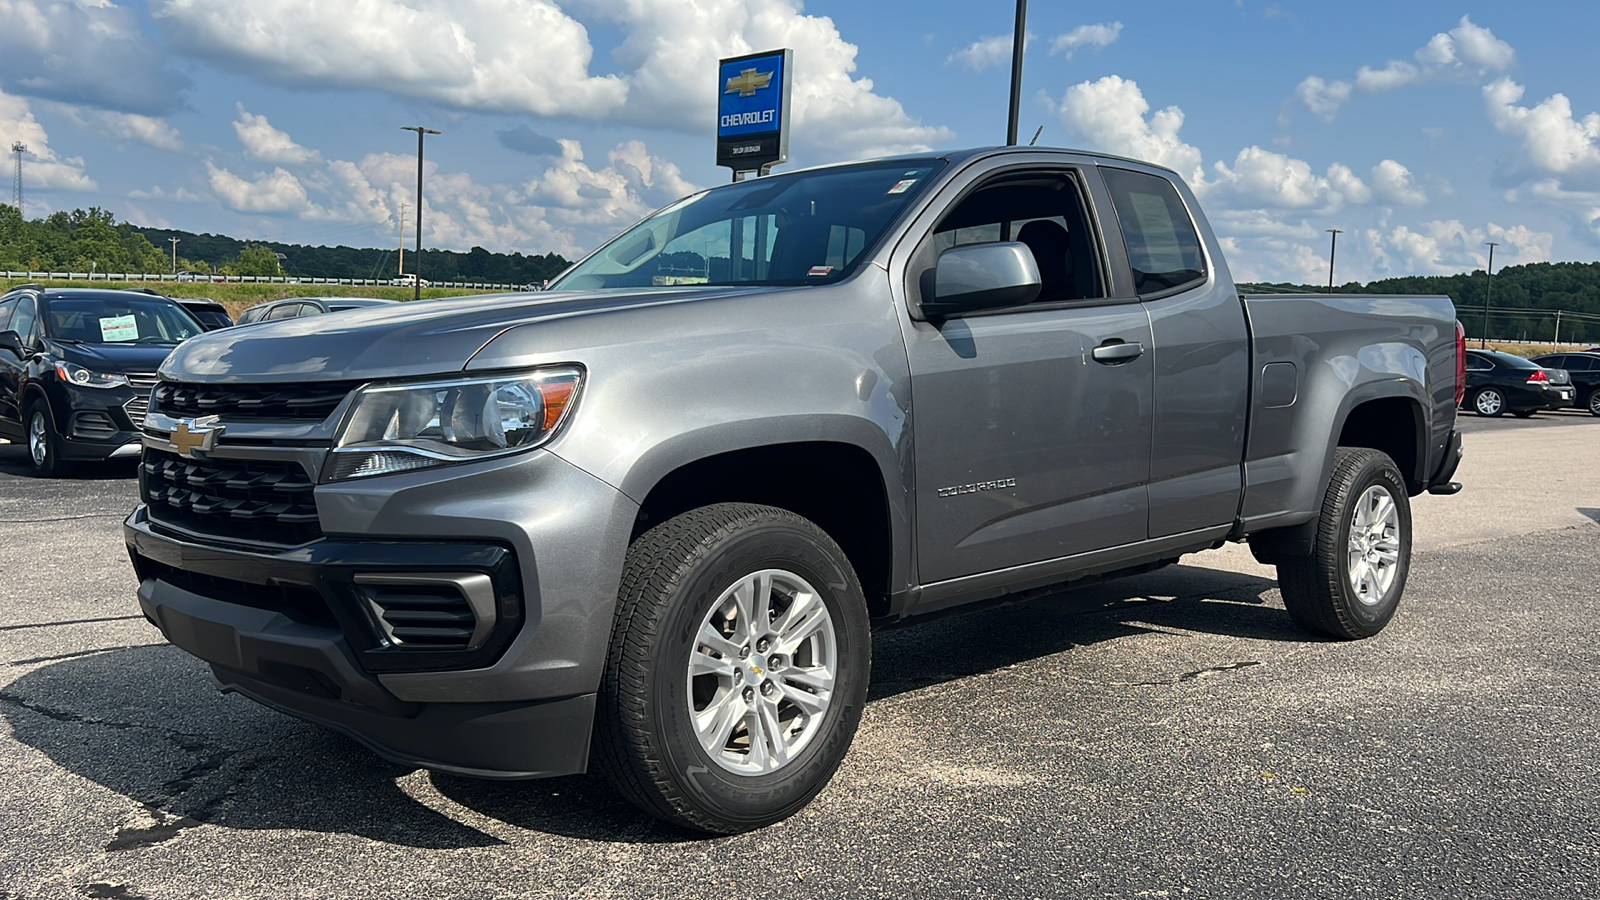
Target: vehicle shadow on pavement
<point>148,723</point>
<point>1593,514</point>
<point>14,461</point>
<point>1181,598</point>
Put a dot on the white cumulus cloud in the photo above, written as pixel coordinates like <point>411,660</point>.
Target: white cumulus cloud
<point>984,53</point>
<point>1110,115</point>
<point>1552,139</point>
<point>85,52</point>
<point>42,167</point>
<point>1102,34</point>
<point>120,126</point>
<point>267,144</point>
<point>1464,52</point>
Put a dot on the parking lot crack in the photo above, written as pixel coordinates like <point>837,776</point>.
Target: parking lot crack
<point>1191,676</point>
<point>44,659</point>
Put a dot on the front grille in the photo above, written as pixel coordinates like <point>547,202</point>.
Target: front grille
<point>260,501</point>
<point>282,402</point>
<point>140,404</point>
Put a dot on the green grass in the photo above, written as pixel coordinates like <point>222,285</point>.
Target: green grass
<point>237,297</point>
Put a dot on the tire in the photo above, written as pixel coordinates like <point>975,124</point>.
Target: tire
<point>44,443</point>
<point>1366,495</point>
<point>1594,402</point>
<point>699,722</point>
<point>1489,402</point>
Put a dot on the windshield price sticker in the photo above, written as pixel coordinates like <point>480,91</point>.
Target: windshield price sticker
<point>119,328</point>
<point>900,187</point>
<point>820,270</point>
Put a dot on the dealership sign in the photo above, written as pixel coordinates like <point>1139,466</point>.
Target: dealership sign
<point>753,111</point>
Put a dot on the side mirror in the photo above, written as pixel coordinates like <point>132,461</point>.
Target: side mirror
<point>12,341</point>
<point>982,276</point>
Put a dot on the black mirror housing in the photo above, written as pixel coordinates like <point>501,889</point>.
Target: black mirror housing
<point>982,276</point>
<point>12,341</point>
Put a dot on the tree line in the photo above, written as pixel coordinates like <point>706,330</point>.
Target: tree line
<point>1521,303</point>
<point>92,240</point>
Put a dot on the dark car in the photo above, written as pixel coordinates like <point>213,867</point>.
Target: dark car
<point>77,366</point>
<point>1584,370</point>
<point>1498,383</point>
<point>212,315</point>
<point>296,307</point>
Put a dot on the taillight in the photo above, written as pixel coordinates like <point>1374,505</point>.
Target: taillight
<point>1538,377</point>
<point>1461,363</point>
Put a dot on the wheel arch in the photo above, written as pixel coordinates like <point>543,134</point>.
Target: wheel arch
<point>838,485</point>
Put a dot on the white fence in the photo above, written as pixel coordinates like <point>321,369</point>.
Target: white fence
<point>187,277</point>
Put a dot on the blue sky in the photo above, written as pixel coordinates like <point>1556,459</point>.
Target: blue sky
<point>1421,129</point>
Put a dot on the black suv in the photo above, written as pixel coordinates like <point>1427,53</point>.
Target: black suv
<point>77,366</point>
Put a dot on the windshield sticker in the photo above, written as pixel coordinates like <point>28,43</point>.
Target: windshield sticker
<point>903,185</point>
<point>119,328</point>
<point>819,270</point>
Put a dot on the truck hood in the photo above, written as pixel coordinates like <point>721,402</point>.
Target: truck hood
<point>431,337</point>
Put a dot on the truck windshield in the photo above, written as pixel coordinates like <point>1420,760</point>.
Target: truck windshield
<point>805,228</point>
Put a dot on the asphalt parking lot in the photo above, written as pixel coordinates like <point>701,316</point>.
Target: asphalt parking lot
<point>1169,735</point>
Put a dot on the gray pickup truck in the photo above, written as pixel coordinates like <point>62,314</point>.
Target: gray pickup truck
<point>647,521</point>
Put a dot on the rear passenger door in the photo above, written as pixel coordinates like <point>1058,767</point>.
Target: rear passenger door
<point>1202,355</point>
<point>1028,444</point>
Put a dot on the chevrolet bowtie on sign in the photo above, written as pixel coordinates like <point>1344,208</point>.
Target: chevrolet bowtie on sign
<point>753,111</point>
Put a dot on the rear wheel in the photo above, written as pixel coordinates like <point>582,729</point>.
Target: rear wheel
<point>1489,402</point>
<point>738,668</point>
<point>1594,402</point>
<point>1351,583</point>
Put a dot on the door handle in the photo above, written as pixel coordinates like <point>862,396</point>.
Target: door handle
<point>1118,352</point>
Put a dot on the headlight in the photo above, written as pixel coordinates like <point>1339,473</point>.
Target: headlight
<point>78,375</point>
<point>400,427</point>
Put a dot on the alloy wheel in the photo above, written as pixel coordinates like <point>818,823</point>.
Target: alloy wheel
<point>38,438</point>
<point>762,671</point>
<point>1374,546</point>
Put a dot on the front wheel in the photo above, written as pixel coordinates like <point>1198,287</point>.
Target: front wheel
<point>1489,402</point>
<point>738,668</point>
<point>44,444</point>
<point>1351,583</point>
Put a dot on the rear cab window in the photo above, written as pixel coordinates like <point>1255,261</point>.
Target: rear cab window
<point>1163,244</point>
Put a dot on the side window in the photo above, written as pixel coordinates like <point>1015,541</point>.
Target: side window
<point>24,322</point>
<point>1044,210</point>
<point>1476,363</point>
<point>6,306</point>
<point>284,311</point>
<point>309,309</point>
<point>1579,364</point>
<point>1163,245</point>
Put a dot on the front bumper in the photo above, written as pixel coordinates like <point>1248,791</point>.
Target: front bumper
<point>295,628</point>
<point>97,423</point>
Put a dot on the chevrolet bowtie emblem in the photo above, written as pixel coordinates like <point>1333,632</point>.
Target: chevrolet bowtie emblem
<point>748,82</point>
<point>196,434</point>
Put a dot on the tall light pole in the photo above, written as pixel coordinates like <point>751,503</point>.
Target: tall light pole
<point>1332,250</point>
<point>174,255</point>
<point>1488,293</point>
<point>1016,72</point>
<point>416,264</point>
<point>18,148</point>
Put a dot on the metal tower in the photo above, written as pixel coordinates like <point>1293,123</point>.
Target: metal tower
<point>18,148</point>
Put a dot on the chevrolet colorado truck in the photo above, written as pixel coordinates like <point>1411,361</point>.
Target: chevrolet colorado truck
<point>646,522</point>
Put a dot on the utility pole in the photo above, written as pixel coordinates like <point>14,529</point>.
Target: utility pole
<point>1488,294</point>
<point>1555,346</point>
<point>1332,249</point>
<point>402,272</point>
<point>416,265</point>
<point>1017,41</point>
<point>18,148</point>
<point>174,255</point>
